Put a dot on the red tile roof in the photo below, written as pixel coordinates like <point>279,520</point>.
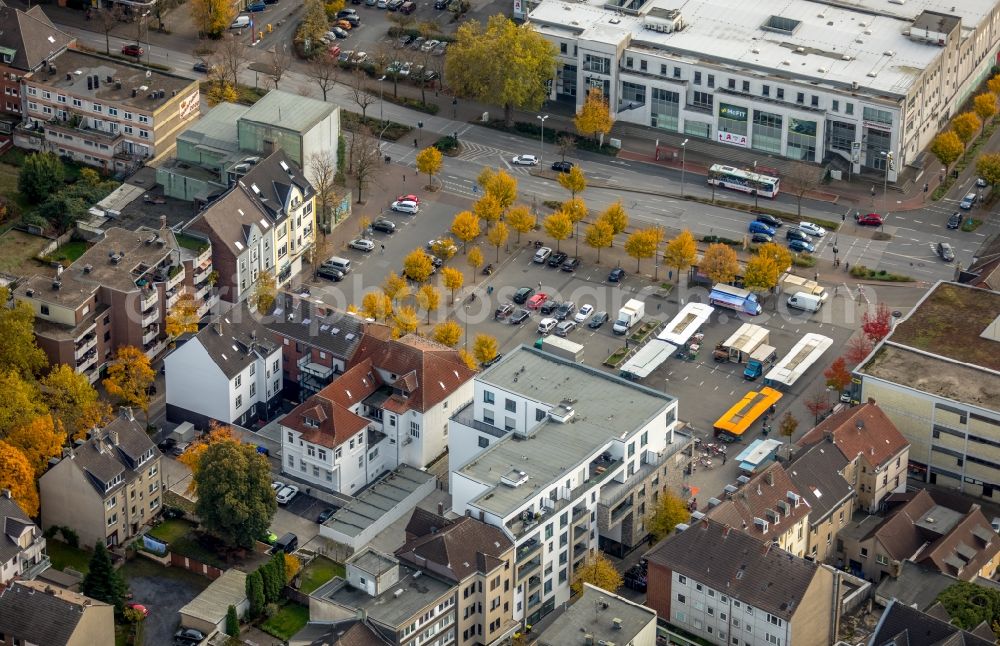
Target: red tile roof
<point>861,430</point>
<point>325,418</point>
<point>755,499</point>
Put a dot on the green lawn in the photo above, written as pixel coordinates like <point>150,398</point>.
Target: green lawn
<point>18,250</point>
<point>69,251</point>
<point>289,620</point>
<point>63,556</point>
<point>318,572</point>
<point>171,530</point>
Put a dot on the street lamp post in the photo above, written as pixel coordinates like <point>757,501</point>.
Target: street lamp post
<point>885,181</point>
<point>541,138</point>
<point>683,159</point>
<point>145,25</point>
<point>381,103</point>
<point>467,328</point>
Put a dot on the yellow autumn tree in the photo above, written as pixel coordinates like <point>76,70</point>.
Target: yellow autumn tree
<point>500,184</point>
<point>183,316</point>
<point>668,512</point>
<point>74,401</point>
<point>468,359</point>
<point>599,235</point>
<point>428,298</point>
<point>292,567</point>
<point>781,255</point>
<point>39,441</point>
<point>720,263</point>
<point>597,570</point>
<point>642,244</point>
<point>475,260</point>
<point>129,377</point>
<point>497,237</point>
<point>417,266</point>
<point>220,91</point>
<point>985,106</point>
<point>488,209</point>
<point>521,219</point>
<point>17,475</point>
<point>947,147</point>
<point>616,216</point>
<point>404,321</point>
<point>761,273</point>
<point>447,333</point>
<point>265,291</point>
<point>574,181</point>
<point>191,458</point>
<point>453,280</point>
<point>965,126</point>
<point>376,305</point>
<point>484,348</point>
<point>465,227</point>
<point>21,401</point>
<point>212,16</point>
<point>429,162</point>
<point>558,226</point>
<point>394,286</point>
<point>681,252</point>
<point>594,118</point>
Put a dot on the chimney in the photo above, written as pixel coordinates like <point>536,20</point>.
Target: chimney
<point>6,494</point>
<point>113,436</point>
<point>828,436</point>
<point>129,415</point>
<point>725,531</point>
<point>704,523</point>
<point>440,506</point>
<point>770,478</point>
<point>871,400</point>
<point>163,222</point>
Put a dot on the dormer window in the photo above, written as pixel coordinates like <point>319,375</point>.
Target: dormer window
<point>117,480</point>
<point>310,422</point>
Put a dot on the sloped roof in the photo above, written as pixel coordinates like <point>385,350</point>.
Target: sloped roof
<point>213,602</point>
<point>742,565</point>
<point>964,550</point>
<point>860,430</point>
<point>42,613</point>
<point>817,475</point>
<point>437,369</point>
<point>916,585</point>
<point>13,523</point>
<point>762,494</point>
<point>901,625</point>
<point>234,340</point>
<point>457,549</point>
<point>898,533</point>
<point>326,418</point>
<point>31,35</point>
<point>350,632</point>
<point>328,329</point>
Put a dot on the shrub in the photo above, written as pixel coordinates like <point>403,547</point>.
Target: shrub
<point>446,144</point>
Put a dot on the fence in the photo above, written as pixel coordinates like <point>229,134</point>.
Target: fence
<point>192,565</point>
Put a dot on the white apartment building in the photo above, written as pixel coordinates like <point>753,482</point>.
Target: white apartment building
<point>230,372</point>
<point>805,80</point>
<point>543,450</point>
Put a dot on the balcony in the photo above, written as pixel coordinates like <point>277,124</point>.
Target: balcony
<point>210,302</point>
<point>534,581</point>
<point>174,276</point>
<point>93,374</point>
<point>201,273</point>
<point>616,491</point>
<point>529,568</point>
<point>621,511</point>
<point>150,333</point>
<point>85,345</point>
<point>147,299</point>
<point>173,295</point>
<point>150,317</point>
<point>580,548</point>
<point>88,360</point>
<point>307,366</point>
<point>203,292</point>
<point>528,548</point>
<point>581,531</point>
<point>534,600</point>
<point>30,570</point>
<point>154,348</point>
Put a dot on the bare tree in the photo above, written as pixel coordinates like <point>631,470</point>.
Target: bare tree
<point>401,22</point>
<point>231,57</point>
<point>107,19</point>
<point>800,180</point>
<point>161,9</point>
<point>367,158</point>
<point>322,173</point>
<point>278,63</point>
<point>324,69</point>
<point>565,144</point>
<point>362,96</point>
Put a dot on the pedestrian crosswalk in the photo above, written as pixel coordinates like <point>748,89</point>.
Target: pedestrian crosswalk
<point>490,156</point>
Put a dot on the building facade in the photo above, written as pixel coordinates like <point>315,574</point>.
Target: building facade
<point>22,545</point>
<point>865,83</point>
<point>70,618</point>
<point>105,112</point>
<point>107,487</point>
<point>29,42</point>
<point>532,456</point>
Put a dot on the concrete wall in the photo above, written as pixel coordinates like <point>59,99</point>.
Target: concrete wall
<point>814,621</point>
<point>195,384</point>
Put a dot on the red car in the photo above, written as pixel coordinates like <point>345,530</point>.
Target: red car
<point>132,50</point>
<point>536,301</point>
<point>872,219</point>
<point>141,608</point>
<point>408,198</point>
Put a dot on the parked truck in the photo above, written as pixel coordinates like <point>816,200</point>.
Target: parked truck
<point>760,360</point>
<point>629,315</point>
<point>791,284</point>
<point>734,298</point>
<point>562,348</point>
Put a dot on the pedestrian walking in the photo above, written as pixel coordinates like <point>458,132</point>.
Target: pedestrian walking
<point>404,178</point>
<point>723,458</point>
<point>873,190</point>
<point>383,249</point>
<point>539,285</point>
<point>836,290</point>
<point>816,278</point>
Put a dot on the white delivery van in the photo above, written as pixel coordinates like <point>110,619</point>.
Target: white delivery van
<point>240,22</point>
<point>805,302</point>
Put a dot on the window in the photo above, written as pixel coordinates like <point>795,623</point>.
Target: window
<point>682,579</point>
<point>663,70</point>
<point>98,107</point>
<point>642,65</point>
<point>77,103</point>
<point>562,48</point>
<point>238,381</point>
<point>849,108</point>
<point>239,401</point>
<point>765,90</point>
<point>113,112</point>
<point>322,454</point>
<point>800,97</point>
<point>677,72</point>
<point>488,417</point>
<point>875,115</point>
<point>253,389</point>
<point>681,598</point>
<point>835,106</point>
<point>702,100</point>
<point>697,78</point>
<point>253,369</point>
<point>539,414</point>
<point>814,101</point>
<point>746,86</point>
<point>781,93</point>
<point>415,429</point>
<point>510,405</point>
<point>731,84</point>
<point>881,560</point>
<point>644,438</point>
<point>361,461</point>
<point>711,80</point>
<point>143,118</point>
<point>628,62</point>
<point>488,397</point>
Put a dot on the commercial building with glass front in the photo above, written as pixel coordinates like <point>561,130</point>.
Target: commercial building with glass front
<point>868,83</point>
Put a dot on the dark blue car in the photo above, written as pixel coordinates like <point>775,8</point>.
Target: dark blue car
<point>255,7</point>
<point>801,245</point>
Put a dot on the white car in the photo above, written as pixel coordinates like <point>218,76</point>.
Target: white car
<point>429,45</point>
<point>277,486</point>
<point>546,325</point>
<point>584,313</point>
<point>405,207</point>
<point>285,495</point>
<point>812,229</point>
<point>361,244</point>
<point>525,160</point>
<point>433,243</point>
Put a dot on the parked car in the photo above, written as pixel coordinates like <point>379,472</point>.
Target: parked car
<point>945,251</point>
<point>768,219</point>
<point>562,166</point>
<point>203,67</point>
<point>536,301</point>
<point>167,445</point>
<point>871,219</point>
<point>564,311</point>
<point>801,245</point>
<point>330,273</point>
<point>418,42</point>
<point>179,448</point>
<point>761,238</point>
<point>597,320</point>
<point>277,486</point>
<point>429,45</point>
<point>339,31</point>
<point>405,206</point>
<point>980,182</point>
<point>584,313</point>
<point>132,50</point>
<point>549,306</point>
<point>520,316</point>
<point>565,327</point>
<point>812,229</point>
<point>435,261</point>
<point>383,225</point>
<point>523,294</point>
<point>344,24</point>
<point>325,515</point>
<point>409,198</point>
<point>542,254</point>
<point>256,7</point>
<point>571,264</point>
<point>188,637</point>
<point>968,201</point>
<point>503,311</point>
<point>394,5</point>
<point>955,220</point>
<point>361,244</point>
<point>405,40</point>
<point>546,325</point>
<point>557,258</point>
<point>796,234</point>
<point>343,13</point>
<point>617,275</point>
<point>525,160</point>
<point>760,227</point>
<point>286,495</point>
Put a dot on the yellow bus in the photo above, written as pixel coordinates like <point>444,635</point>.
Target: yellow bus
<point>745,412</point>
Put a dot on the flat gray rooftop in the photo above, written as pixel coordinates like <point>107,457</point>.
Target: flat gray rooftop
<point>605,407</point>
<point>289,111</point>
<point>375,501</point>
<point>418,592</point>
<point>594,614</point>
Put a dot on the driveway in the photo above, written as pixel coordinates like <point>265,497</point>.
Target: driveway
<point>164,591</point>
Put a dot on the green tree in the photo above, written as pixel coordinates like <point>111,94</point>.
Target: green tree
<point>41,175</point>
<point>669,512</point>
<point>965,126</point>
<point>988,167</point>
<point>642,244</point>
<point>501,64</point>
<point>235,500</point>
<point>720,263</point>
<point>255,593</point>
<point>681,252</point>
<point>946,147</point>
<point>574,181</point>
<point>599,235</point>
<point>598,571</point>
<point>558,226</point>
<point>232,622</point>
<point>429,162</point>
<point>103,582</point>
<point>594,118</point>
<point>969,605</point>
<point>18,350</point>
